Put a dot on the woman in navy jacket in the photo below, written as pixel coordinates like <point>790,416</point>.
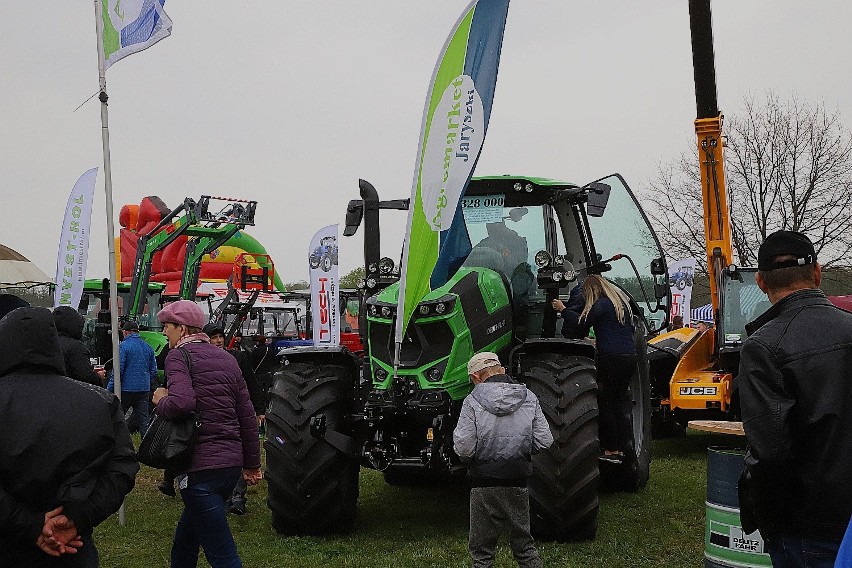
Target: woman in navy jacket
<point>606,309</point>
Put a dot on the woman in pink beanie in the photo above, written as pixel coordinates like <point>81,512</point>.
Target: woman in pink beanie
<point>206,380</point>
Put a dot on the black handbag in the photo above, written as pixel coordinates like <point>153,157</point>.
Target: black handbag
<point>169,442</point>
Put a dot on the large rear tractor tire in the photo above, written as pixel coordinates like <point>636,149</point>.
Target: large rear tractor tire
<point>564,485</point>
<point>313,487</point>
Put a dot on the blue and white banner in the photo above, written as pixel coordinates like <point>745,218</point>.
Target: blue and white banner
<point>74,242</point>
<point>325,295</point>
<point>681,276</point>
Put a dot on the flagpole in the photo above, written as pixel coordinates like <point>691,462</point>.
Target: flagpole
<point>113,283</point>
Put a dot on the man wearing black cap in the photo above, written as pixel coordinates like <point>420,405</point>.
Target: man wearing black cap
<point>138,371</point>
<point>795,390</point>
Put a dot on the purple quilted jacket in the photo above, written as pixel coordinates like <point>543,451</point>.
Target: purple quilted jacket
<point>228,434</point>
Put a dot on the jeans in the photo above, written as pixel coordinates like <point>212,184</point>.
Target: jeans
<point>140,402</point>
<point>204,523</point>
<point>793,551</point>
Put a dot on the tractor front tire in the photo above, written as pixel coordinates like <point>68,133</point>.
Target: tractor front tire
<point>564,485</point>
<point>313,486</point>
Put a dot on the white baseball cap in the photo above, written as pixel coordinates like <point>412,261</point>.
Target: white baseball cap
<point>482,361</point>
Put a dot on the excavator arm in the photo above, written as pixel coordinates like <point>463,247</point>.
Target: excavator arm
<point>708,132</point>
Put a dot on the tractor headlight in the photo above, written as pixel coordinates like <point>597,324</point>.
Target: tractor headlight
<point>528,188</point>
<point>542,258</point>
<point>371,282</point>
<point>434,374</point>
<point>386,266</point>
<point>386,311</point>
<point>381,375</point>
<point>557,276</point>
<point>361,284</point>
<point>372,268</point>
<point>423,310</point>
<point>518,186</point>
<point>373,310</point>
<point>570,276</point>
<point>440,308</point>
<point>559,260</point>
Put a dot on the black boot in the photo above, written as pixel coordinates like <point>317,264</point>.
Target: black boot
<point>167,485</point>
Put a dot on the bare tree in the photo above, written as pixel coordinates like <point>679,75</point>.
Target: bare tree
<point>788,166</point>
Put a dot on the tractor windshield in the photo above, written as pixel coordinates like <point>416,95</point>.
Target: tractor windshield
<point>621,228</point>
<point>744,301</point>
<point>506,239</point>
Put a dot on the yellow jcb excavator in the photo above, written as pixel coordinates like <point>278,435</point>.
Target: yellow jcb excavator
<point>692,371</point>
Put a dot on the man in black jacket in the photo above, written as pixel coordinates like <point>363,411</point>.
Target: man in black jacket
<point>795,390</point>
<point>66,458</point>
<point>78,364</point>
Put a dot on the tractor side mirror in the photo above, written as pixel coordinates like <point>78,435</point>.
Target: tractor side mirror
<point>597,198</point>
<point>658,267</point>
<point>354,214</point>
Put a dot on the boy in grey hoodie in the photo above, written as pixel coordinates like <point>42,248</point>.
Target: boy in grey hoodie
<point>500,426</point>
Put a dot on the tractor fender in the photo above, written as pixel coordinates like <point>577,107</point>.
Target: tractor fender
<point>338,354</point>
<point>558,345</point>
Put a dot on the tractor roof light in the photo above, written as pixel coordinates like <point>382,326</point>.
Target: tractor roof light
<point>559,260</point>
<point>518,186</point>
<point>372,268</point>
<point>528,188</point>
<point>542,259</point>
<point>371,283</point>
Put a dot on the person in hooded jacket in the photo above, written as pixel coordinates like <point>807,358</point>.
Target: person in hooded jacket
<point>78,364</point>
<point>500,426</point>
<point>66,460</point>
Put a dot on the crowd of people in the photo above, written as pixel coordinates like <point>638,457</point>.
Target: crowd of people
<point>67,460</point>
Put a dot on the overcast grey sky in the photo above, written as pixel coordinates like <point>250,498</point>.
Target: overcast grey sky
<point>289,103</point>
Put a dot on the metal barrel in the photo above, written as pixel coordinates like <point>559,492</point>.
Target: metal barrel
<point>725,543</point>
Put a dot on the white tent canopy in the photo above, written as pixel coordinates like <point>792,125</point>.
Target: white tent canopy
<point>17,270</point>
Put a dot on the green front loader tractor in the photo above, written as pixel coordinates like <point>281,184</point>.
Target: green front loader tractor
<point>532,240</point>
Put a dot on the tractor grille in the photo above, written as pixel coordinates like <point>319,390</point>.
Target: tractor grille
<point>423,342</point>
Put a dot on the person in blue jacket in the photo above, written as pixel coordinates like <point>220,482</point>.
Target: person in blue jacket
<point>138,367</point>
<point>600,305</point>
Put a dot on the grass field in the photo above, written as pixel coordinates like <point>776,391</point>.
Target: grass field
<point>400,527</point>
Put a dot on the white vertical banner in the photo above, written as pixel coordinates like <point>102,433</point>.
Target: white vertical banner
<point>681,276</point>
<point>325,296</point>
<point>74,242</point>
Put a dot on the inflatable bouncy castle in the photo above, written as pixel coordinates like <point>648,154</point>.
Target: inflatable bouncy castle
<point>167,265</point>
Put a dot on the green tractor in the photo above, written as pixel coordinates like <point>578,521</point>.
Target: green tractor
<point>94,307</point>
<point>533,240</point>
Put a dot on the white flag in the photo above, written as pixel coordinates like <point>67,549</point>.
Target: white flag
<point>681,276</point>
<point>74,242</point>
<point>325,296</point>
<point>129,26</point>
